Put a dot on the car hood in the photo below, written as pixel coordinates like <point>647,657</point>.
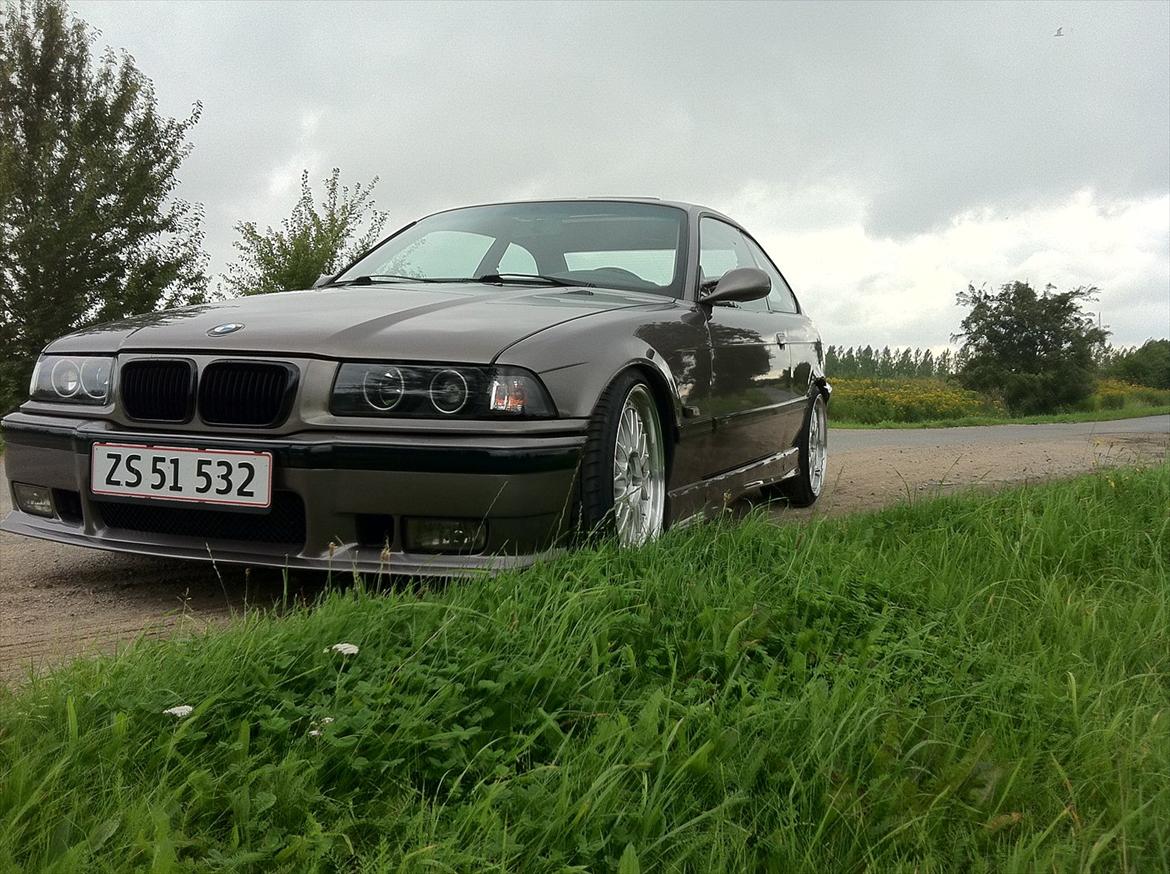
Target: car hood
<point>457,322</point>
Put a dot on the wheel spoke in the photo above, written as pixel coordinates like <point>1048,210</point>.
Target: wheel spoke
<point>638,472</point>
<point>621,455</point>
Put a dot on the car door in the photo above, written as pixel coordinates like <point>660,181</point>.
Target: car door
<point>797,337</point>
<point>750,379</point>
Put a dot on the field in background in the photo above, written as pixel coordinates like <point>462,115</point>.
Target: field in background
<point>932,402</point>
<point>969,684</point>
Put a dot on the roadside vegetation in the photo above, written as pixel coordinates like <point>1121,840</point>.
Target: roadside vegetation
<point>975,683</point>
<point>1026,356</point>
<point>935,403</point>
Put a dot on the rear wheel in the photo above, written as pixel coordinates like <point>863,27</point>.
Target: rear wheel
<point>623,480</point>
<point>813,445</point>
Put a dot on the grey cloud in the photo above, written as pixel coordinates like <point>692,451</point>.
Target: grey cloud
<point>924,111</point>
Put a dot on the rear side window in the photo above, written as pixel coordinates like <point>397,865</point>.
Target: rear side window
<point>780,298</point>
<point>723,248</point>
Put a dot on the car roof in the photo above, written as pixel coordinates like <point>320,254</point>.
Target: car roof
<point>692,208</point>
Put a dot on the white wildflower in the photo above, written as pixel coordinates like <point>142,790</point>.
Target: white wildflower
<point>182,711</point>
<point>318,724</point>
<point>346,649</point>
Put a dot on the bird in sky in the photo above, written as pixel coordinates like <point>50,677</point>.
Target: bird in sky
<point>1059,32</point>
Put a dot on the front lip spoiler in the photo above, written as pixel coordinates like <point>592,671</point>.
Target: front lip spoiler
<point>348,559</point>
<point>332,451</point>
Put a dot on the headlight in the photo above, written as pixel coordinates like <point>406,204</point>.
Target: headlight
<point>383,388</point>
<point>439,391</point>
<point>449,392</point>
<point>75,379</point>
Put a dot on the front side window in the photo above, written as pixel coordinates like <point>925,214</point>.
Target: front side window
<point>723,248</point>
<point>780,298</point>
<point>610,244</point>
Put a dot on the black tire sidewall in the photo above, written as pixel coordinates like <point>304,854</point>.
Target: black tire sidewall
<point>799,489</point>
<point>596,491</point>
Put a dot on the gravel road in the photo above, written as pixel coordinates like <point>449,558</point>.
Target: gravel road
<point>59,601</point>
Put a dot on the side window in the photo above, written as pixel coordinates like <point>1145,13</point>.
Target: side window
<point>780,298</point>
<point>723,248</point>
<point>517,259</point>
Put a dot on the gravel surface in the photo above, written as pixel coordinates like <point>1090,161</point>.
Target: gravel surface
<point>59,601</point>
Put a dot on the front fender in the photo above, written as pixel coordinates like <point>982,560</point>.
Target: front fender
<point>577,360</point>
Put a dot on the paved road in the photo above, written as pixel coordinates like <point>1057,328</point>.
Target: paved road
<point>57,601</point>
<point>848,439</point>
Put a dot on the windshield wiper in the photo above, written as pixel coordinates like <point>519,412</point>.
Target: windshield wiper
<point>559,281</point>
<point>375,278</point>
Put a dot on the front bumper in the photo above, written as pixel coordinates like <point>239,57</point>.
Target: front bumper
<point>343,497</point>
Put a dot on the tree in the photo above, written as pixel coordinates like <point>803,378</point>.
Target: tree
<point>310,241</point>
<point>89,227</point>
<point>926,364</point>
<point>1036,351</point>
<point>944,367</point>
<point>904,364</point>
<point>1148,364</point>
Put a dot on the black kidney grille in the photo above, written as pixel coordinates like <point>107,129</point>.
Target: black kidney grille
<point>283,523</point>
<point>245,393</point>
<point>156,391</point>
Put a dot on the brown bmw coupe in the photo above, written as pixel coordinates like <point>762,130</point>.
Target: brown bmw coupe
<point>475,390</point>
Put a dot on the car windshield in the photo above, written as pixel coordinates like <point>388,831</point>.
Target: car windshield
<point>610,244</point>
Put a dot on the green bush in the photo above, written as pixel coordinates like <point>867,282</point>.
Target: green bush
<point>1034,351</point>
<point>1147,365</point>
<point>871,401</point>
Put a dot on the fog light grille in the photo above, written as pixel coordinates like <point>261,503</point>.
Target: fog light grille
<point>68,504</point>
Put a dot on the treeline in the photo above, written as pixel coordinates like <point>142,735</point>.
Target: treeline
<point>866,361</point>
<point>1148,364</point>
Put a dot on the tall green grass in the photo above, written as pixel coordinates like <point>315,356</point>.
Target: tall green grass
<point>971,684</point>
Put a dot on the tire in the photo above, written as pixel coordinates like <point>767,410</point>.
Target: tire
<point>623,492</point>
<point>804,489</point>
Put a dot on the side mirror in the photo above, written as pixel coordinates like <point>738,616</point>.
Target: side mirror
<point>322,280</point>
<point>740,285</point>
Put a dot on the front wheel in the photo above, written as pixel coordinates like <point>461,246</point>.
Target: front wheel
<point>623,482</point>
<point>813,445</point>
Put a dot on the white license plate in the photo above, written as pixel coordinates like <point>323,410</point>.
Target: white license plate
<point>169,473</point>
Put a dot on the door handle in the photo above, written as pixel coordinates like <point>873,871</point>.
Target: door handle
<point>781,338</point>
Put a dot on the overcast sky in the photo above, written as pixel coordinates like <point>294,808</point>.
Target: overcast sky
<point>885,154</point>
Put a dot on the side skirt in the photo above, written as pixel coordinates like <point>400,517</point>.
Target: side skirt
<point>692,502</point>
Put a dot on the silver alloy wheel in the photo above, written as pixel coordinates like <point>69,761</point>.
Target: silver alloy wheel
<point>639,470</point>
<point>818,445</point>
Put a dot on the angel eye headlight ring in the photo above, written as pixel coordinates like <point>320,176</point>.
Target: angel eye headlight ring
<point>449,391</point>
<point>384,388</point>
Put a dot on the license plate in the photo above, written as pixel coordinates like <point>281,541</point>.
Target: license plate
<point>169,473</point>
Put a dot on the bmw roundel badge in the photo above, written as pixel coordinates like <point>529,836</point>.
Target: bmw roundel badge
<point>220,330</point>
